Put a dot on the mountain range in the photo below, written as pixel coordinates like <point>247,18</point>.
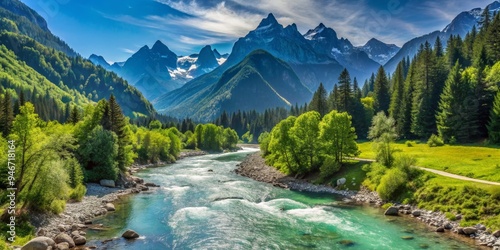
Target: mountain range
<point>461,25</point>
<point>271,66</point>
<point>158,70</point>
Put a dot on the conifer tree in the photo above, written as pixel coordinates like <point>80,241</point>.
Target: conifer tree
<point>457,115</point>
<point>74,116</point>
<point>494,123</point>
<point>7,114</point>
<point>333,99</point>
<point>403,124</point>
<point>319,101</point>
<point>345,92</point>
<point>397,92</point>
<point>381,91</point>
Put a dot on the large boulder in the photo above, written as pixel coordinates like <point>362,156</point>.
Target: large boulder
<point>393,211</point>
<point>80,240</point>
<point>107,183</point>
<point>39,243</point>
<point>469,230</point>
<point>110,207</point>
<point>416,213</point>
<point>63,237</point>
<point>63,246</point>
<point>130,234</point>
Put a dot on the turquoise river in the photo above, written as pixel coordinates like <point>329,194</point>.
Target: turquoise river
<point>199,209</point>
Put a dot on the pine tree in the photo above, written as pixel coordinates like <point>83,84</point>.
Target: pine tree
<point>74,115</point>
<point>333,98</point>
<point>457,115</point>
<point>381,91</point>
<point>7,115</point>
<point>493,40</point>
<point>403,124</point>
<point>494,124</point>
<point>345,92</point>
<point>397,92</point>
<point>319,101</point>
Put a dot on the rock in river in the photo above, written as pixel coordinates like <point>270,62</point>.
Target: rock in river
<point>392,211</point>
<point>130,234</point>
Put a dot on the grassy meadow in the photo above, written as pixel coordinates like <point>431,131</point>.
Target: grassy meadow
<point>474,161</point>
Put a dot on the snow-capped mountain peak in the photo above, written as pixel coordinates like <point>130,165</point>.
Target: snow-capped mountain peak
<point>379,51</point>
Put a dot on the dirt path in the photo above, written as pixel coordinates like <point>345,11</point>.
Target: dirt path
<point>446,174</point>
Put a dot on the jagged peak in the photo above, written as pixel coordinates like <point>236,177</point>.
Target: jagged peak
<point>269,20</point>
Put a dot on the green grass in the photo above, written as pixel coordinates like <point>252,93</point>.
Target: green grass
<point>473,161</point>
<point>477,203</point>
<point>353,173</point>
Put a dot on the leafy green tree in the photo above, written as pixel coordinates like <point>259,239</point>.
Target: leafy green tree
<point>381,91</point>
<point>190,140</point>
<point>305,133</point>
<point>264,140</point>
<point>247,137</point>
<point>38,161</point>
<point>155,125</point>
<point>282,149</point>
<point>211,138</point>
<point>383,133</point>
<point>337,136</point>
<point>98,155</point>
<point>175,143</point>
<point>494,125</point>
<point>319,101</point>
<point>230,138</point>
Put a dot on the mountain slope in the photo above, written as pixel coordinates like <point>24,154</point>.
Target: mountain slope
<point>75,76</point>
<point>460,25</point>
<point>324,40</point>
<point>19,18</point>
<point>379,51</point>
<point>260,81</point>
<point>158,70</point>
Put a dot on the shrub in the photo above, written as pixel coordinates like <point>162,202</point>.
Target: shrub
<point>328,168</point>
<point>78,192</point>
<point>264,139</point>
<point>435,141</point>
<point>57,206</point>
<point>409,143</point>
<point>453,140</point>
<point>450,216</point>
<point>391,183</point>
<point>387,205</point>
<point>375,171</point>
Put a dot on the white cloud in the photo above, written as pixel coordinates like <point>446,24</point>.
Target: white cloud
<point>128,51</point>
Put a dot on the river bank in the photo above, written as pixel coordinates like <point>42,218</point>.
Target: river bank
<point>98,201</point>
<point>254,166</point>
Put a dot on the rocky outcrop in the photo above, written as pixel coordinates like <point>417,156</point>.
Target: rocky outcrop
<point>130,234</point>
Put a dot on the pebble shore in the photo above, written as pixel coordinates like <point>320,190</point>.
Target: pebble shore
<point>254,167</point>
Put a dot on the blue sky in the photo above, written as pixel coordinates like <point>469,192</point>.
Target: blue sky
<point>117,28</point>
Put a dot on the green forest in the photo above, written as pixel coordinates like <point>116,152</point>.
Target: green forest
<point>92,144</point>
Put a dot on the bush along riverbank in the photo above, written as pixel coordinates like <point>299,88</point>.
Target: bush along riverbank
<point>255,167</point>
